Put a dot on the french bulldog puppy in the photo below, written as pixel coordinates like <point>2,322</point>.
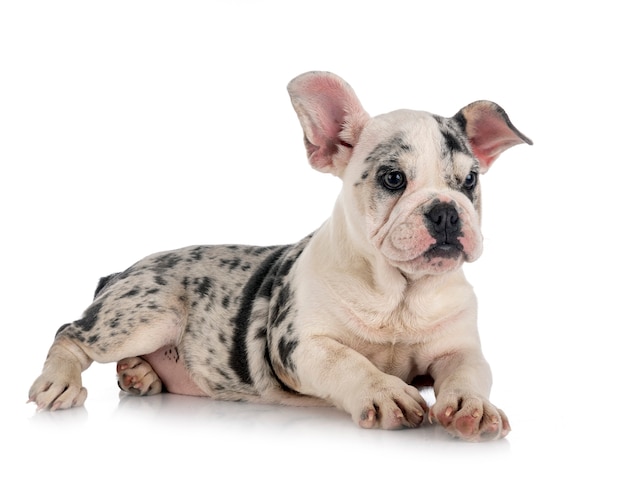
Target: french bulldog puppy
<point>355,315</point>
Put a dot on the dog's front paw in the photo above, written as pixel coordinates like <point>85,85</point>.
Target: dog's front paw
<point>469,417</point>
<point>391,404</point>
<point>136,376</point>
<point>58,389</point>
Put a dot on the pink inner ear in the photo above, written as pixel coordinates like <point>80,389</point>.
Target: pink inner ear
<point>326,105</point>
<point>325,126</point>
<point>492,137</point>
<point>490,132</point>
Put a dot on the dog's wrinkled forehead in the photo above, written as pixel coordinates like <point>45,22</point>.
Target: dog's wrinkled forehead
<point>415,142</point>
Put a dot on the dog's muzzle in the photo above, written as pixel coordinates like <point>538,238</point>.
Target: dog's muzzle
<point>444,225</point>
<point>434,237</point>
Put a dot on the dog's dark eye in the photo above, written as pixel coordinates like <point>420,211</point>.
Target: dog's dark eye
<point>470,181</point>
<point>393,180</point>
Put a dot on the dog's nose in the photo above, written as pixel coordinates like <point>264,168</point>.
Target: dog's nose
<point>445,225</point>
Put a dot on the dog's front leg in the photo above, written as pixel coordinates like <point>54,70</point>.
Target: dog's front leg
<point>462,385</point>
<point>331,370</point>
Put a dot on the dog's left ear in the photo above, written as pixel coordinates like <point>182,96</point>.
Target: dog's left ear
<point>489,131</point>
<point>331,116</point>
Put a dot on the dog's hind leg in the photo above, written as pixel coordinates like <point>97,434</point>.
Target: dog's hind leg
<point>115,327</point>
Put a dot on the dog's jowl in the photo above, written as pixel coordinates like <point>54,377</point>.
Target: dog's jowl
<point>351,316</point>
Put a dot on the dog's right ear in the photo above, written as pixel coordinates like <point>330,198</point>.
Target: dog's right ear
<point>331,116</point>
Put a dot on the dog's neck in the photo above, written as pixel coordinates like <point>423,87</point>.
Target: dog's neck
<point>375,292</point>
<point>354,256</point>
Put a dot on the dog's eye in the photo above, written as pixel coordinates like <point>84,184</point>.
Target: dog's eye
<point>470,181</point>
<point>393,180</point>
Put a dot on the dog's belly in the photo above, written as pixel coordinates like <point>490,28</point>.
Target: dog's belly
<point>169,365</point>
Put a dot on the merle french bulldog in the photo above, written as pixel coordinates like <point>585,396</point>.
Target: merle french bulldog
<point>355,315</point>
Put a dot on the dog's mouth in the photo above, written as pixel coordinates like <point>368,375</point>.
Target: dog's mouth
<point>439,258</point>
<point>444,250</point>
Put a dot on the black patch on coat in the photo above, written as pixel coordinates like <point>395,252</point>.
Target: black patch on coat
<point>196,253</point>
<point>166,262</point>
<point>230,263</point>
<point>226,302</point>
<point>105,281</point>
<point>62,328</point>
<point>203,286</point>
<point>268,362</point>
<point>282,306</point>
<point>285,350</point>
<point>241,322</point>
<point>133,292</point>
<point>90,318</point>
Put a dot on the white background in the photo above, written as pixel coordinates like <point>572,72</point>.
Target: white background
<point>128,128</point>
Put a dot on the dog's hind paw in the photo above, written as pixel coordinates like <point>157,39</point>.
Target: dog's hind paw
<point>136,376</point>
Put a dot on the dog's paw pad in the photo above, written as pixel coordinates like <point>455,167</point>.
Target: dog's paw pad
<point>470,418</point>
<point>136,376</point>
<point>392,407</point>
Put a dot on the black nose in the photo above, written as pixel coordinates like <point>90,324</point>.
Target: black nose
<point>444,223</point>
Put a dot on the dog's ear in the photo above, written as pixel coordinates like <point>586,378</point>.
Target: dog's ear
<point>331,116</point>
<point>489,131</point>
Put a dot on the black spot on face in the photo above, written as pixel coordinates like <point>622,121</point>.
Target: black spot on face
<point>389,151</point>
<point>160,280</point>
<point>364,175</point>
<point>452,143</point>
<point>453,134</point>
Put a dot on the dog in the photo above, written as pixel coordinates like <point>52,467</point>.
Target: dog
<point>358,315</point>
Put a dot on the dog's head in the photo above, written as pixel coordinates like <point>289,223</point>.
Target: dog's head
<point>411,179</point>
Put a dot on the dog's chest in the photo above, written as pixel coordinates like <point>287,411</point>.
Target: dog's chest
<point>398,337</point>
<point>397,359</point>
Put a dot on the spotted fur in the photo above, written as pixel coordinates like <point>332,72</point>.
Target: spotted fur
<point>354,315</point>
